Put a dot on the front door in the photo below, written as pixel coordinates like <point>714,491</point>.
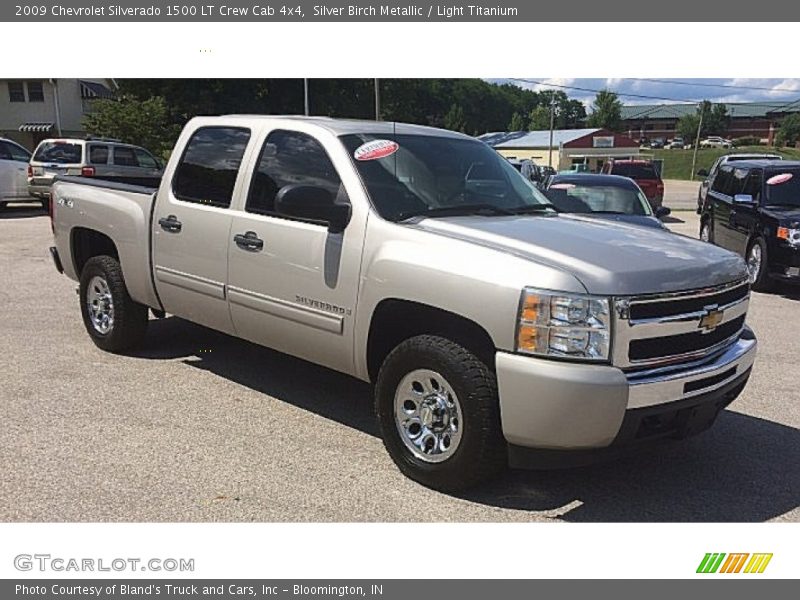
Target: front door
<point>292,284</point>
<point>744,217</point>
<point>13,171</point>
<point>192,223</point>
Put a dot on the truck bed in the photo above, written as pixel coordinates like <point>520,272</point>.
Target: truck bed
<point>120,211</point>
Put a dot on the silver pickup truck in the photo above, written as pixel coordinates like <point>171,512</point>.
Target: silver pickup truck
<point>494,329</point>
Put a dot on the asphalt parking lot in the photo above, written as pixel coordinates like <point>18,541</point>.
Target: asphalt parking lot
<point>199,426</point>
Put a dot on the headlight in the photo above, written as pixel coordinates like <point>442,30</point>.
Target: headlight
<point>790,235</point>
<point>565,325</point>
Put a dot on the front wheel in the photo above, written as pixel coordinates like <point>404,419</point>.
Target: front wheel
<point>114,321</point>
<point>438,410</point>
<point>757,265</point>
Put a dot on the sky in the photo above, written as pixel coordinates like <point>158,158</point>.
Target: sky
<point>671,90</point>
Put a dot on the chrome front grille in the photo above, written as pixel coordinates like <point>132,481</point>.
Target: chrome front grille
<point>665,329</point>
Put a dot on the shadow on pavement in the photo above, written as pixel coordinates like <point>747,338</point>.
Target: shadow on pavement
<point>24,211</point>
<point>743,469</point>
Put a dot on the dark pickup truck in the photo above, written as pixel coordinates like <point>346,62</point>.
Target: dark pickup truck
<point>753,208</point>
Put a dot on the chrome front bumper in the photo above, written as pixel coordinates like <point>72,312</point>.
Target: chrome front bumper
<point>559,405</point>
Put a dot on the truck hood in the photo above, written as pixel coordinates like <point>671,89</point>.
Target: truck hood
<point>607,257</point>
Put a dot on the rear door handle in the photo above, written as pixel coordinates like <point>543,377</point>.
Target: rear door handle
<point>249,241</point>
<point>170,223</point>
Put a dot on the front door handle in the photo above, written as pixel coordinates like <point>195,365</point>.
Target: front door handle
<point>249,241</point>
<point>170,223</point>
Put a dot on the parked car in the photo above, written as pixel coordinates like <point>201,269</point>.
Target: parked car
<point>644,173</point>
<point>657,143</point>
<point>529,169</point>
<point>110,160</point>
<point>714,141</point>
<point>13,172</point>
<point>609,197</point>
<point>708,176</point>
<point>676,143</point>
<point>753,209</point>
<point>419,260</point>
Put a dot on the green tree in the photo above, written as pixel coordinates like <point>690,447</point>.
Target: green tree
<point>687,127</point>
<point>142,122</point>
<point>789,131</point>
<point>455,119</point>
<point>539,118</point>
<point>518,122</point>
<point>715,118</point>
<point>606,111</point>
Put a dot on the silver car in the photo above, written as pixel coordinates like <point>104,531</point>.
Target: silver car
<point>13,172</point>
<point>110,160</point>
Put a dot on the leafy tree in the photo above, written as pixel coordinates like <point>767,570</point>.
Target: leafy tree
<point>142,122</point>
<point>539,118</point>
<point>518,122</point>
<point>715,118</point>
<point>606,111</point>
<point>687,127</point>
<point>455,119</point>
<point>789,131</point>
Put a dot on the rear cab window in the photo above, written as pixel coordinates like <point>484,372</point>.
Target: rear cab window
<point>59,152</point>
<point>210,165</point>
<point>635,170</point>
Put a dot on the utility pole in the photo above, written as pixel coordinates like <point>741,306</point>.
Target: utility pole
<point>377,100</point>
<point>305,96</point>
<point>552,122</point>
<point>696,144</point>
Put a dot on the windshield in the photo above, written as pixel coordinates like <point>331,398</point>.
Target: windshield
<point>409,175</point>
<point>634,170</point>
<point>59,152</point>
<point>587,198</point>
<point>783,188</point>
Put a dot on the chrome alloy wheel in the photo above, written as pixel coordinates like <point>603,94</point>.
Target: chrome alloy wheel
<point>754,258</point>
<point>100,305</point>
<point>428,415</point>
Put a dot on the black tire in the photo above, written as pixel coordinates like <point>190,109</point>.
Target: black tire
<point>763,282</point>
<point>45,204</point>
<point>130,318</point>
<point>482,451</point>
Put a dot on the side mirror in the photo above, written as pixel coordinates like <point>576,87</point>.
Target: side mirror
<point>702,173</point>
<point>313,203</point>
<point>662,211</point>
<point>743,199</point>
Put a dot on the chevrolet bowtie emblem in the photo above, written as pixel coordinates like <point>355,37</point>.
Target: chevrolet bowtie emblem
<point>711,319</point>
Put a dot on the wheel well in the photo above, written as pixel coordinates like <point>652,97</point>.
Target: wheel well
<point>397,320</point>
<point>87,243</point>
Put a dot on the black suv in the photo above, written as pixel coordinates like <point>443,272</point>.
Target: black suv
<point>753,208</point>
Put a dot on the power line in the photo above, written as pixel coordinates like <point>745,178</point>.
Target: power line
<point>715,85</point>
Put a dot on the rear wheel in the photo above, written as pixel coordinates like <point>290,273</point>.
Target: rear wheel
<point>757,265</point>
<point>114,321</point>
<point>439,415</point>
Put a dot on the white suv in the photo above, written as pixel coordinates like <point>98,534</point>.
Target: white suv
<point>106,159</point>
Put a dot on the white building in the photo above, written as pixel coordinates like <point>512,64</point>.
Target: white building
<point>34,109</point>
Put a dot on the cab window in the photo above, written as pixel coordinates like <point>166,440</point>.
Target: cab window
<point>210,164</point>
<point>289,157</point>
<point>145,159</point>
<point>98,155</point>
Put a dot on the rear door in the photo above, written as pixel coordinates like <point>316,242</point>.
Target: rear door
<point>721,203</point>
<point>192,222</point>
<point>13,170</point>
<point>292,284</point>
<point>744,217</point>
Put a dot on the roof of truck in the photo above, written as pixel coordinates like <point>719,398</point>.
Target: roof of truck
<point>348,126</point>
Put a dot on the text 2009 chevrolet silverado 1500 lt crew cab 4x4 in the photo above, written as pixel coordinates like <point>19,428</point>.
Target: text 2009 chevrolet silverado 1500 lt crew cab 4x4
<point>419,260</point>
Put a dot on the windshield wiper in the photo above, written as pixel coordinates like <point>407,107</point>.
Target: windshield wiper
<point>532,208</point>
<point>455,211</point>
